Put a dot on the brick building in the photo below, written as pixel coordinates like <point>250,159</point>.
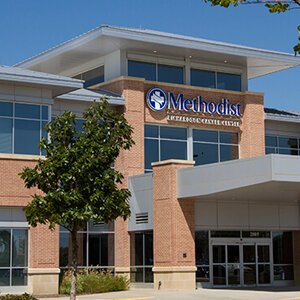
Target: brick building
<point>214,175</point>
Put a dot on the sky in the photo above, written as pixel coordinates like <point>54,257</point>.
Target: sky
<point>32,26</point>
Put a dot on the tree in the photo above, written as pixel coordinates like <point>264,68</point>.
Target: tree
<point>77,177</point>
<point>274,6</point>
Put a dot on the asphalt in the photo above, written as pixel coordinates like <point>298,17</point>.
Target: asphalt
<point>203,294</point>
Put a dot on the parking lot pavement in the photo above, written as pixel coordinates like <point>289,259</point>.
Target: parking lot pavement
<point>200,294</point>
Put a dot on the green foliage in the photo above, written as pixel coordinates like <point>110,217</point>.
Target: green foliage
<point>24,296</point>
<point>76,176</point>
<point>273,6</point>
<point>93,281</point>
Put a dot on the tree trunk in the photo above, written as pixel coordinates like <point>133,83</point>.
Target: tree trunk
<point>74,264</point>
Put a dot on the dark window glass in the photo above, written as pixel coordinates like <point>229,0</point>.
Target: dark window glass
<point>138,249</point>
<point>249,274</point>
<point>45,112</point>
<point>221,234</point>
<point>228,138</point>
<point>78,124</point>
<point>170,74</point>
<point>151,131</point>
<point>81,258</point>
<point>233,254</point>
<point>173,133</point>
<point>228,152</point>
<point>19,248</point>
<point>4,249</point>
<point>95,250</point>
<point>63,249</point>
<point>288,142</point>
<point>263,253</point>
<point>219,275</point>
<point>264,274</point>
<point>27,137</point>
<point>93,77</point>
<point>283,273</point>
<point>151,152</point>
<point>205,153</point>
<point>271,141</point>
<point>148,249</point>
<point>148,275</point>
<point>233,274</point>
<point>136,274</point>
<point>202,274</point>
<point>228,82</point>
<point>287,151</point>
<point>19,277</point>
<point>203,78</point>
<point>28,111</point>
<point>249,254</point>
<point>173,150</point>
<point>4,277</point>
<point>205,135</point>
<point>6,126</point>
<point>256,234</point>
<point>218,254</point>
<point>141,69</point>
<point>270,150</point>
<point>282,247</point>
<point>6,109</point>
<point>201,243</point>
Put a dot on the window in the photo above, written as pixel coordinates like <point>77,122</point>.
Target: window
<point>202,256</point>
<point>210,79</point>
<point>141,258</point>
<point>209,146</point>
<point>92,77</point>
<point>21,127</point>
<point>96,246</point>
<point>214,146</point>
<point>162,143</point>
<point>283,255</point>
<point>282,145</point>
<point>13,257</point>
<point>155,72</point>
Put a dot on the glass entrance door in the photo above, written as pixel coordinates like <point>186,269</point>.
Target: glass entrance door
<point>241,264</point>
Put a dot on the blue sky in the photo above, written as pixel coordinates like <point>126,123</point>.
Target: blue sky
<point>32,26</point>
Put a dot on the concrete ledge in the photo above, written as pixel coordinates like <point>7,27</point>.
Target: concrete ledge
<point>43,271</point>
<point>21,157</point>
<point>122,269</point>
<point>174,269</point>
<point>173,161</point>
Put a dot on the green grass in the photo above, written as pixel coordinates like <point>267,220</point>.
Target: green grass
<point>92,281</point>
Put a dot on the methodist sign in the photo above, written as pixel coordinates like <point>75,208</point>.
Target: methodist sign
<point>158,100</point>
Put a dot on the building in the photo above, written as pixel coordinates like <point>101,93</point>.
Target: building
<point>214,175</point>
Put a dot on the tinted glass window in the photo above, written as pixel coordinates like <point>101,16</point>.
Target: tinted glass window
<point>92,77</point>
<point>282,247</point>
<point>141,69</point>
<point>5,248</point>
<point>270,150</point>
<point>173,133</point>
<point>151,152</point>
<point>6,109</point>
<point>170,74</point>
<point>201,243</point>
<point>148,248</point>
<point>6,135</point>
<point>203,78</point>
<point>173,150</point>
<point>139,249</point>
<point>205,153</point>
<point>228,82</point>
<point>287,151</point>
<point>228,152</point>
<point>45,112</point>
<point>271,141</point>
<point>228,138</point>
<point>205,135</point>
<point>28,111</point>
<point>27,137</point>
<point>288,142</point>
<point>151,131</point>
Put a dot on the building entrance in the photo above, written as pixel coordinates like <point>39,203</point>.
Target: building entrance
<point>241,263</point>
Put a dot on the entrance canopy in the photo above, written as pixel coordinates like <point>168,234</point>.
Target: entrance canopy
<point>271,177</point>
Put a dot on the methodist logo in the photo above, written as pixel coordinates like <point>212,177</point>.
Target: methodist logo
<point>158,100</point>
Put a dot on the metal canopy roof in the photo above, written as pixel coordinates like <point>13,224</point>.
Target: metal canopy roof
<point>106,39</point>
<point>58,84</point>
<point>271,177</point>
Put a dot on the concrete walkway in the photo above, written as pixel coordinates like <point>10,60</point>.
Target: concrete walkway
<point>203,294</point>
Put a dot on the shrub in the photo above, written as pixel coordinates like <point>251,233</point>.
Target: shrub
<point>93,281</point>
<point>17,297</point>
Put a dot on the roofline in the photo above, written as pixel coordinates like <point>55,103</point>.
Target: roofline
<point>271,117</point>
<point>162,38</point>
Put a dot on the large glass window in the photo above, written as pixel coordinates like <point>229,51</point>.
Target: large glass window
<point>282,145</point>
<point>162,143</point>
<point>155,72</point>
<point>96,246</point>
<point>92,77</point>
<point>283,255</point>
<point>21,127</point>
<point>141,256</point>
<point>211,79</point>
<point>202,256</point>
<point>214,146</point>
<point>13,257</point>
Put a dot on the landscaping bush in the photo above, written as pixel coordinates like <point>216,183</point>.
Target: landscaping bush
<point>93,281</point>
<point>17,297</point>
